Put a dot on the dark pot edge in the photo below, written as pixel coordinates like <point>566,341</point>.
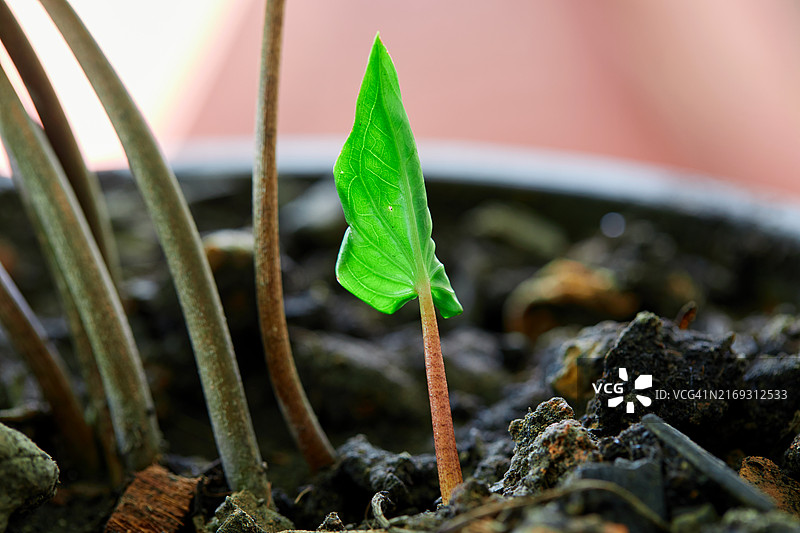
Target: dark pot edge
<point>604,179</point>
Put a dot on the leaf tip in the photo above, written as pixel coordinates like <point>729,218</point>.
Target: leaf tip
<point>377,44</point>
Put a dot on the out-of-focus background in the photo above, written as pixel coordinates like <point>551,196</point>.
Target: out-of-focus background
<point>712,87</point>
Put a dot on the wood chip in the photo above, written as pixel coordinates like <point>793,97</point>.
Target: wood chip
<point>156,501</point>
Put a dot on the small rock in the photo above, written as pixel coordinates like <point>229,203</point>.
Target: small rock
<point>238,521</point>
<point>524,431</point>
<point>752,521</point>
<point>241,512</point>
<point>632,444</point>
<point>486,454</point>
<point>578,362</point>
<point>544,454</point>
<point>692,477</point>
<point>566,291</point>
<point>332,522</point>
<point>354,381</point>
<point>28,474</point>
<point>764,474</point>
<point>610,503</point>
<point>410,483</point>
<point>774,378</point>
<point>429,521</point>
<point>470,494</point>
<point>776,335</point>
<point>229,247</point>
<point>551,517</point>
<point>641,478</point>
<point>474,362</point>
<point>791,458</point>
<point>692,519</point>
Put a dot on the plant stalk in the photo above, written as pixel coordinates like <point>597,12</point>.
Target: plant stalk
<point>87,278</point>
<point>213,348</point>
<point>296,409</point>
<point>444,439</point>
<point>98,412</point>
<point>87,190</point>
<point>28,337</point>
<point>57,129</point>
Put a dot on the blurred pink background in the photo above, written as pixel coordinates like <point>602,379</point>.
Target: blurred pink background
<point>712,86</point>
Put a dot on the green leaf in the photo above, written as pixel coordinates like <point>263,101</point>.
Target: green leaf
<point>387,255</point>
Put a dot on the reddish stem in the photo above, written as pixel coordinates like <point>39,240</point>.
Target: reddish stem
<point>444,438</point>
<point>294,404</point>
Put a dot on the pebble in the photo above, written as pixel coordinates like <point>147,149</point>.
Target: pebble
<point>691,519</point>
<point>566,288</point>
<point>332,522</point>
<point>241,512</point>
<point>524,431</point>
<point>791,458</point>
<point>751,521</point>
<point>641,478</point>
<point>548,518</point>
<point>768,477</point>
<point>329,364</point>
<point>229,247</point>
<point>410,483</point>
<point>28,474</point>
<point>578,361</point>
<point>549,444</point>
<point>777,375</point>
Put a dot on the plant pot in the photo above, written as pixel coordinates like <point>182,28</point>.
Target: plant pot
<point>645,239</point>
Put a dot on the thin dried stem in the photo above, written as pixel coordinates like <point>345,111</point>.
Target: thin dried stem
<point>297,411</point>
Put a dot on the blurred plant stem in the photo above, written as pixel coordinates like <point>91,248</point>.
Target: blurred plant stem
<point>98,413</point>
<point>29,339</point>
<point>296,409</point>
<point>87,191</point>
<point>87,278</point>
<point>219,373</point>
<point>59,133</point>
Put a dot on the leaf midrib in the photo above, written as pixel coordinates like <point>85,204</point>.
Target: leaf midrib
<point>415,260</point>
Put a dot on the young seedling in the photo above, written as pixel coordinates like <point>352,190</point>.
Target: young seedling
<point>387,255</point>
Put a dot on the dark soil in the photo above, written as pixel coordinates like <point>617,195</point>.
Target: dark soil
<point>553,310</point>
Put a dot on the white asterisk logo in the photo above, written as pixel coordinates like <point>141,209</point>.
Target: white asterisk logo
<point>645,381</point>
